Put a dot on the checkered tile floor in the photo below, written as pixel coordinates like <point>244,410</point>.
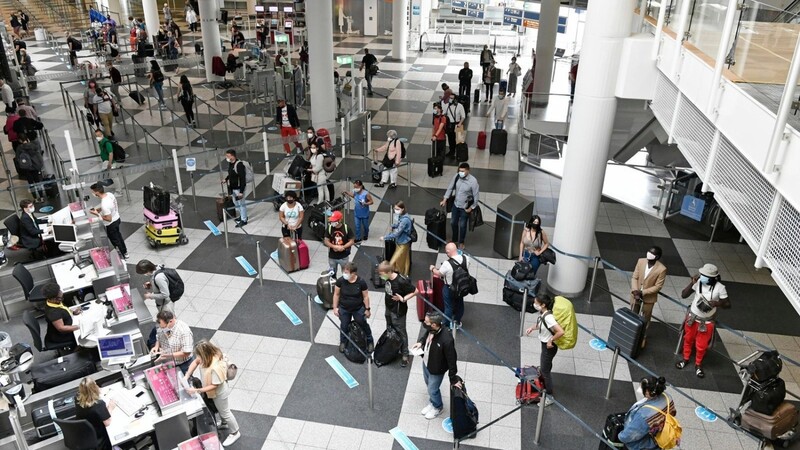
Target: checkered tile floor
<point>287,397</point>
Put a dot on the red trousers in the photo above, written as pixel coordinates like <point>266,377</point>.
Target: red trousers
<point>694,338</point>
<point>286,132</point>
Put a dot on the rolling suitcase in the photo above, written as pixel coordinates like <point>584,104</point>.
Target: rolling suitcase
<point>613,427</point>
<point>627,332</point>
<point>298,167</point>
<point>158,222</point>
<point>771,426</point>
<point>377,171</point>
<point>435,163</point>
<point>499,142</point>
<point>432,291</point>
<point>481,140</point>
<point>435,220</point>
<point>476,96</point>
<point>325,287</point>
<point>462,152</point>
<point>225,208</point>
<point>316,221</point>
<point>292,256</point>
<point>137,97</point>
<point>156,200</point>
<point>388,348</point>
<point>56,372</point>
<point>164,236</point>
<point>464,415</point>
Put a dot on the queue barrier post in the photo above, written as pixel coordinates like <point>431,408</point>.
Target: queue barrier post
<point>540,417</point>
<point>612,372</point>
<point>522,312</point>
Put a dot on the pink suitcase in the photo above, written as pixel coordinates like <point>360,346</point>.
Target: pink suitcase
<point>169,220</point>
<point>302,254</point>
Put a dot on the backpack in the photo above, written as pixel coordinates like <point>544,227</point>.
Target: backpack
<point>76,45</point>
<point>359,338</point>
<point>174,281</point>
<point>670,434</point>
<point>158,77</point>
<point>402,149</point>
<point>530,386</point>
<point>118,151</point>
<point>413,233</point>
<point>329,162</point>
<point>249,175</point>
<point>462,283</point>
<point>564,313</point>
<point>24,160</point>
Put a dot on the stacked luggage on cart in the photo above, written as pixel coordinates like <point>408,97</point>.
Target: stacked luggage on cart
<point>162,222</point>
<point>762,407</point>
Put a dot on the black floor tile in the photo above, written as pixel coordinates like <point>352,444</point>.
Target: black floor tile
<point>225,258</point>
<point>319,381</point>
<point>623,250</point>
<point>420,200</point>
<point>759,308</point>
<point>471,345</point>
<point>380,52</point>
<point>681,227</point>
<point>127,229</point>
<point>492,180</point>
<point>199,334</point>
<point>255,429</point>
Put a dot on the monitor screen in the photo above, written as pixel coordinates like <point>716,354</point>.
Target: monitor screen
<point>115,346</point>
<point>274,23</point>
<point>273,9</point>
<point>288,9</point>
<point>64,233</point>
<point>287,24</point>
<point>260,8</point>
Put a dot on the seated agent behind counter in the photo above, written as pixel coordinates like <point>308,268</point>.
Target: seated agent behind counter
<point>59,318</point>
<point>91,407</point>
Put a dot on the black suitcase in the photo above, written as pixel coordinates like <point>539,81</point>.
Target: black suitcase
<point>137,97</point>
<point>464,100</point>
<point>464,415</point>
<point>615,423</point>
<point>156,200</point>
<point>435,167</point>
<point>50,189</point>
<point>627,332</point>
<point>767,396</point>
<point>316,221</point>
<point>477,96</point>
<point>436,221</point>
<point>462,152</point>
<point>297,169</point>
<point>499,142</point>
<point>53,373</point>
<point>64,407</point>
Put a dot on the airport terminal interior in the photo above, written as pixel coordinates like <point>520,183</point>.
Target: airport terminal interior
<point>658,186</point>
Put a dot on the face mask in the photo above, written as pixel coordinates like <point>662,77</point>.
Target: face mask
<point>435,112</point>
<point>313,150</point>
<point>310,135</point>
<point>31,210</point>
<point>427,327</point>
<point>536,225</point>
<point>291,202</point>
<point>230,161</point>
<point>356,190</point>
<point>99,138</point>
<point>651,257</point>
<point>462,174</point>
<point>346,275</point>
<point>537,307</point>
<point>398,211</point>
<point>704,279</point>
<point>384,277</point>
<point>335,225</point>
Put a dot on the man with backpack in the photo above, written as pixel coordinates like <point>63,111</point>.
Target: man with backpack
<point>395,151</point>
<point>29,160</point>
<point>110,151</point>
<point>453,272</point>
<point>165,286</point>
<point>237,183</point>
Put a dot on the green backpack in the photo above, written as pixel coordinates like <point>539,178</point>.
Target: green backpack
<point>564,313</point>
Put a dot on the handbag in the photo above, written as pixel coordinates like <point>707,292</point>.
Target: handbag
<point>548,256</point>
<point>475,218</point>
<point>231,369</point>
<point>373,69</point>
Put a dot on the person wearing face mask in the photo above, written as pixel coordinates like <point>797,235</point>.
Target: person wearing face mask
<point>401,235</point>
<point>60,326</point>
<point>533,242</point>
<point>500,109</point>
<point>291,216</point>
<point>698,329</point>
<point>646,282</point>
<point>439,357</point>
<point>88,101</point>
<point>318,174</point>
<point>453,304</point>
<point>351,303</point>
<point>311,137</point>
<point>465,191</point>
<point>286,119</point>
<point>175,340</point>
<point>30,235</point>
<point>363,200</point>
<point>439,131</point>
<point>109,213</point>
<point>549,332</point>
<point>392,157</point>
<point>646,417</point>
<point>106,148</point>
<point>338,238</point>
<point>399,290</point>
<point>237,183</point>
<point>454,111</point>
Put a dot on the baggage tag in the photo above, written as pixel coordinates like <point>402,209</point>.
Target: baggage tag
<point>60,359</point>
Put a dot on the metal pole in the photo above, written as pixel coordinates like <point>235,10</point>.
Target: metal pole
<point>369,381</point>
<point>194,194</point>
<point>343,138</point>
<point>266,150</point>
<point>522,312</point>
<point>540,417</point>
<point>225,225</point>
<point>611,373</point>
<point>594,275</point>
<point>258,261</point>
<point>680,338</point>
<point>716,224</point>
<point>310,319</point>
<point>125,184</point>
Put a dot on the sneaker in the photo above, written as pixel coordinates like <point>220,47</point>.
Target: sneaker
<point>370,347</point>
<point>699,372</point>
<point>3,261</point>
<point>426,409</point>
<point>433,413</point>
<point>681,364</point>
<point>548,401</point>
<point>240,223</point>
<point>222,425</point>
<point>341,348</point>
<point>393,185</point>
<point>231,439</point>
<point>125,256</point>
<point>404,361</point>
<point>379,185</point>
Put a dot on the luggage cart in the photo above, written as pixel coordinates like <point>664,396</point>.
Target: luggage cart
<point>165,229</point>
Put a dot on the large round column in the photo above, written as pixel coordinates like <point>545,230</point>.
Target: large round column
<point>545,49</point>
<point>319,23</point>
<point>608,23</point>
<point>399,29</point>
<point>151,20</point>
<point>209,30</point>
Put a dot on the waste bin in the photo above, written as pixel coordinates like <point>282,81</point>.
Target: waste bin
<point>515,208</point>
<point>40,34</point>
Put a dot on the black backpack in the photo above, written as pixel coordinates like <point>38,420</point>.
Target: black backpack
<point>76,45</point>
<point>158,76</point>
<point>462,283</point>
<point>358,337</point>
<point>402,149</point>
<point>175,282</point>
<point>119,152</point>
<point>24,160</point>
<point>388,347</point>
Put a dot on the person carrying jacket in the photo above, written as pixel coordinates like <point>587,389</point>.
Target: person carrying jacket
<point>393,149</point>
<point>237,183</point>
<point>286,119</point>
<point>8,129</point>
<point>401,235</point>
<point>646,417</point>
<point>647,281</point>
<point>439,357</point>
<point>27,126</point>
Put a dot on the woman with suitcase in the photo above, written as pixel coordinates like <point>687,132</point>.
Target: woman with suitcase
<point>318,174</point>
<point>549,332</point>
<point>533,242</point>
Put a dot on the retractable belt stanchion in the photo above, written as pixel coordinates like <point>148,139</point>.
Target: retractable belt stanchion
<point>310,323</point>
<point>594,276</point>
<point>260,266</point>
<point>612,372</point>
<point>522,312</point>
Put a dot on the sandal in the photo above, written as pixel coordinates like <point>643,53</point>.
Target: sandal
<point>681,364</point>
<point>699,372</point>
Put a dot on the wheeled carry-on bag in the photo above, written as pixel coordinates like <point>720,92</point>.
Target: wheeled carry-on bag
<point>137,97</point>
<point>481,140</point>
<point>431,289</point>
<point>771,426</point>
<point>56,372</point>
<point>63,407</point>
<point>293,256</point>
<point>436,221</point>
<point>499,142</point>
<point>156,199</point>
<point>435,163</point>
<point>325,288</point>
<point>476,96</point>
<point>169,220</point>
<point>462,152</point>
<point>164,236</point>
<point>627,332</point>
<point>315,221</point>
<point>464,415</point>
<point>225,208</point>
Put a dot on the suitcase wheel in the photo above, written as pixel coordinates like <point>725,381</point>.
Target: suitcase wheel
<point>184,240</point>
<point>152,243</point>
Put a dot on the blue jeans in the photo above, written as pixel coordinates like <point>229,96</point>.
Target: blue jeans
<point>458,224</point>
<point>159,88</point>
<point>434,382</point>
<point>532,259</point>
<point>344,322</point>
<point>362,228</point>
<point>240,204</point>
<point>334,264</point>
<point>453,306</point>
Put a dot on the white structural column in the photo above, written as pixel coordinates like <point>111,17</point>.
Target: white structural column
<point>399,29</point>
<point>209,30</point>
<point>608,23</point>
<point>545,49</point>
<point>251,7</point>
<point>320,66</point>
<point>151,18</point>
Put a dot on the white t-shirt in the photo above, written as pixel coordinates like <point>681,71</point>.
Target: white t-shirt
<point>708,293</point>
<point>545,323</point>
<point>446,269</point>
<point>292,214</point>
<point>108,207</point>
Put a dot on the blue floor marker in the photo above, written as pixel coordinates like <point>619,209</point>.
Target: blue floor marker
<point>447,425</point>
<point>246,265</point>
<point>213,228</point>
<point>705,414</point>
<point>598,344</point>
<point>287,311</point>
<point>274,255</point>
<point>402,439</point>
<point>342,372</point>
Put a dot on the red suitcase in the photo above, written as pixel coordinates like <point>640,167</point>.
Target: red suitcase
<point>482,140</point>
<point>302,254</point>
<point>432,291</point>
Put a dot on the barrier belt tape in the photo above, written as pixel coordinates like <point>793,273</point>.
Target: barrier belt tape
<point>126,69</point>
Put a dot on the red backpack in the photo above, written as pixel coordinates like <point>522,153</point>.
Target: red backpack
<point>531,383</point>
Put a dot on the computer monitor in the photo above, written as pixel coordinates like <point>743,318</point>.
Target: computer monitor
<point>288,9</point>
<point>259,8</point>
<point>120,298</point>
<point>273,9</point>
<point>115,346</point>
<point>64,233</point>
<point>164,384</point>
<point>61,217</point>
